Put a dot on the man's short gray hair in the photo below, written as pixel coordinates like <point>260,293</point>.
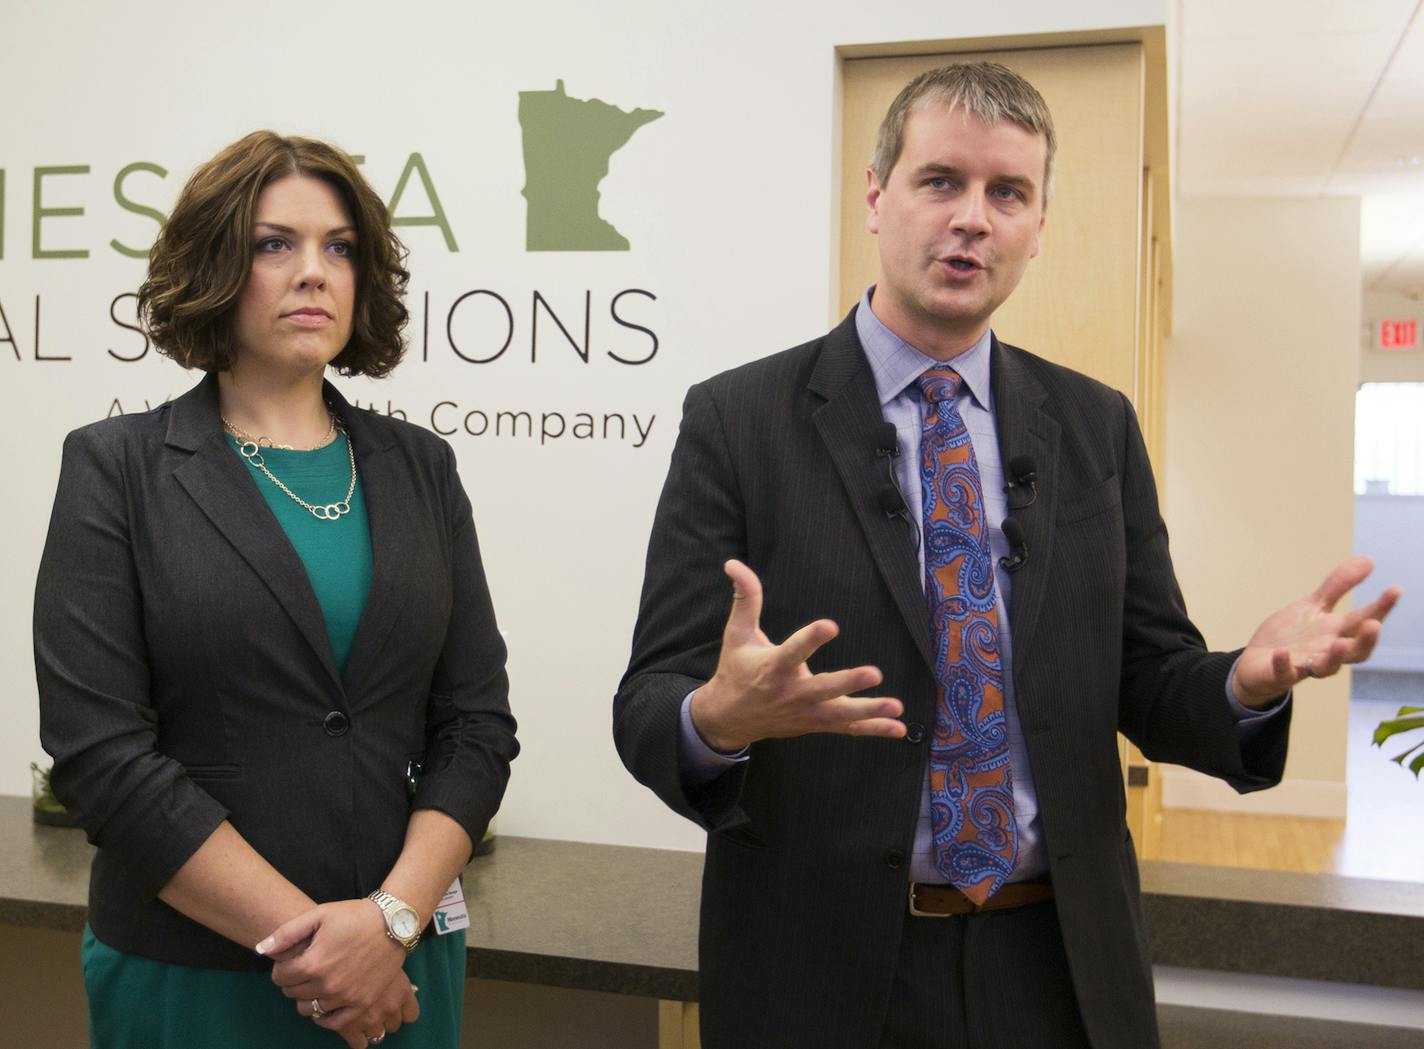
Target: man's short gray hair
<point>991,92</point>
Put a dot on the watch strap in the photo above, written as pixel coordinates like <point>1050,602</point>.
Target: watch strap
<point>388,905</point>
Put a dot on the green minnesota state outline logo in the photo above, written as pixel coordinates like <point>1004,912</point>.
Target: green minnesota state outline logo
<point>568,143</point>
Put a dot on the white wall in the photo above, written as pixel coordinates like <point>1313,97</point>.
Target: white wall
<point>1260,381</point>
<point>729,202</point>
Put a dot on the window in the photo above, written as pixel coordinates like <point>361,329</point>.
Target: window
<point>1389,438</point>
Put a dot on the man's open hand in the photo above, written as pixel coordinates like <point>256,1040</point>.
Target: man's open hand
<point>1308,638</point>
<point>766,691</point>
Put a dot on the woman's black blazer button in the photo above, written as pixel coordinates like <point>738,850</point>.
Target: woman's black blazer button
<point>336,723</point>
<point>894,859</point>
<point>914,733</point>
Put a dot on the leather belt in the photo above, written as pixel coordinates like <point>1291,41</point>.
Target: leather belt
<point>945,901</point>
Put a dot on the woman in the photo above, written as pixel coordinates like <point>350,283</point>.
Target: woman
<point>269,671</point>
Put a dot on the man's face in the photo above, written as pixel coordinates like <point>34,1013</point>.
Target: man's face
<point>958,219</point>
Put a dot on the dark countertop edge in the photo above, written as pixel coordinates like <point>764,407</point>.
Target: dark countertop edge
<point>1299,943</point>
<point>1289,924</point>
<point>1377,950</point>
<point>581,974</point>
<point>37,914</point>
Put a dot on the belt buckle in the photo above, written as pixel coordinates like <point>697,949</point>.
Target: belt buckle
<point>917,913</point>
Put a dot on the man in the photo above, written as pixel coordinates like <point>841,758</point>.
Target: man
<point>944,862</point>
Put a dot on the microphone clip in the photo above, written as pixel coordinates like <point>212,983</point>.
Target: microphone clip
<point>1022,473</point>
<point>1018,546</point>
<point>1014,561</point>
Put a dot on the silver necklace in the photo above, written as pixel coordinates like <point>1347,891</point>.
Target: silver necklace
<point>251,450</point>
<point>266,442</point>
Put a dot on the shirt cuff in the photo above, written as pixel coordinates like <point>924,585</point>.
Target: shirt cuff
<point>1245,714</point>
<point>697,761</point>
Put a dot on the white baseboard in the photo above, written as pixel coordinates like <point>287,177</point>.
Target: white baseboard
<point>1185,789</point>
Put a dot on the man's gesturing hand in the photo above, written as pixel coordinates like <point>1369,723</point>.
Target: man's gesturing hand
<point>766,691</point>
<point>1308,638</point>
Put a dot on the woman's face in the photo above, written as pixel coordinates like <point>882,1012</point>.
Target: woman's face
<point>295,313</point>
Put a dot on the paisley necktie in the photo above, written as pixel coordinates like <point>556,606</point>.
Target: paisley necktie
<point>971,781</point>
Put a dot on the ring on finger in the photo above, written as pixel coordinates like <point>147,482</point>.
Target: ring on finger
<point>1310,667</point>
<point>317,1010</point>
<point>377,1040</point>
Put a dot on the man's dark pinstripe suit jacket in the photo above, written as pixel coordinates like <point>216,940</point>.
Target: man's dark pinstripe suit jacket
<point>803,896</point>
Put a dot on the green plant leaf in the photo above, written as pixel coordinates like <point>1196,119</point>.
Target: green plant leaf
<point>1416,765</point>
<point>1409,710</point>
<point>1385,729</point>
<point>1398,759</point>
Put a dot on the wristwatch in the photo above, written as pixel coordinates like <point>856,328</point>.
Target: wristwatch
<point>402,923</point>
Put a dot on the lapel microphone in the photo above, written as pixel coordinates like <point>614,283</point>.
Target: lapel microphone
<point>890,498</point>
<point>1018,547</point>
<point>1022,473</point>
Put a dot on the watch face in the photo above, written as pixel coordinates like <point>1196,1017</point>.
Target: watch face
<point>405,923</point>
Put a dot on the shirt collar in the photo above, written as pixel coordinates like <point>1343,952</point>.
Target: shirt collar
<point>896,364</point>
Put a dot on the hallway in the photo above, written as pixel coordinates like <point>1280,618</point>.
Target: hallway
<point>1381,834</point>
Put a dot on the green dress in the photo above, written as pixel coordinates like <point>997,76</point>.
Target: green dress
<point>139,1003</point>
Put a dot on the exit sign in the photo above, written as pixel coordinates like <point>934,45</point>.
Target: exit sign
<point>1398,335</point>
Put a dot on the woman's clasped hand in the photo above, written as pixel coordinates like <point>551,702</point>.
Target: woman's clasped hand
<point>343,971</point>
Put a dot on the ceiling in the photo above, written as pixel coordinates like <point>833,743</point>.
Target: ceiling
<point>1311,98</point>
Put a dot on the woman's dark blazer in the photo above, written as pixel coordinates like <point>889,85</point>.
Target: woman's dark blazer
<point>185,676</point>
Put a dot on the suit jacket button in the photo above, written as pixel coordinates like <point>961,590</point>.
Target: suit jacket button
<point>894,858</point>
<point>914,733</point>
<point>336,723</point>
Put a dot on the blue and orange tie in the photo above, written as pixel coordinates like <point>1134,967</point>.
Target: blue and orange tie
<point>976,837</point>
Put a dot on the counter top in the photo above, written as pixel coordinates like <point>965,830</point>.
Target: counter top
<point>620,919</point>
<point>1285,923</point>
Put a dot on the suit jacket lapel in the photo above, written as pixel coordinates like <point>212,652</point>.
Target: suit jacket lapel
<point>219,482</point>
<point>388,494</point>
<point>1026,428</point>
<point>849,422</point>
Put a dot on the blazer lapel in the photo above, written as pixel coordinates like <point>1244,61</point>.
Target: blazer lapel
<point>386,490</point>
<point>219,482</point>
<point>849,423</point>
<point>1026,428</point>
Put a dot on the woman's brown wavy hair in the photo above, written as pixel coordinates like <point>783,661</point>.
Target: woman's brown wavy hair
<point>200,263</point>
